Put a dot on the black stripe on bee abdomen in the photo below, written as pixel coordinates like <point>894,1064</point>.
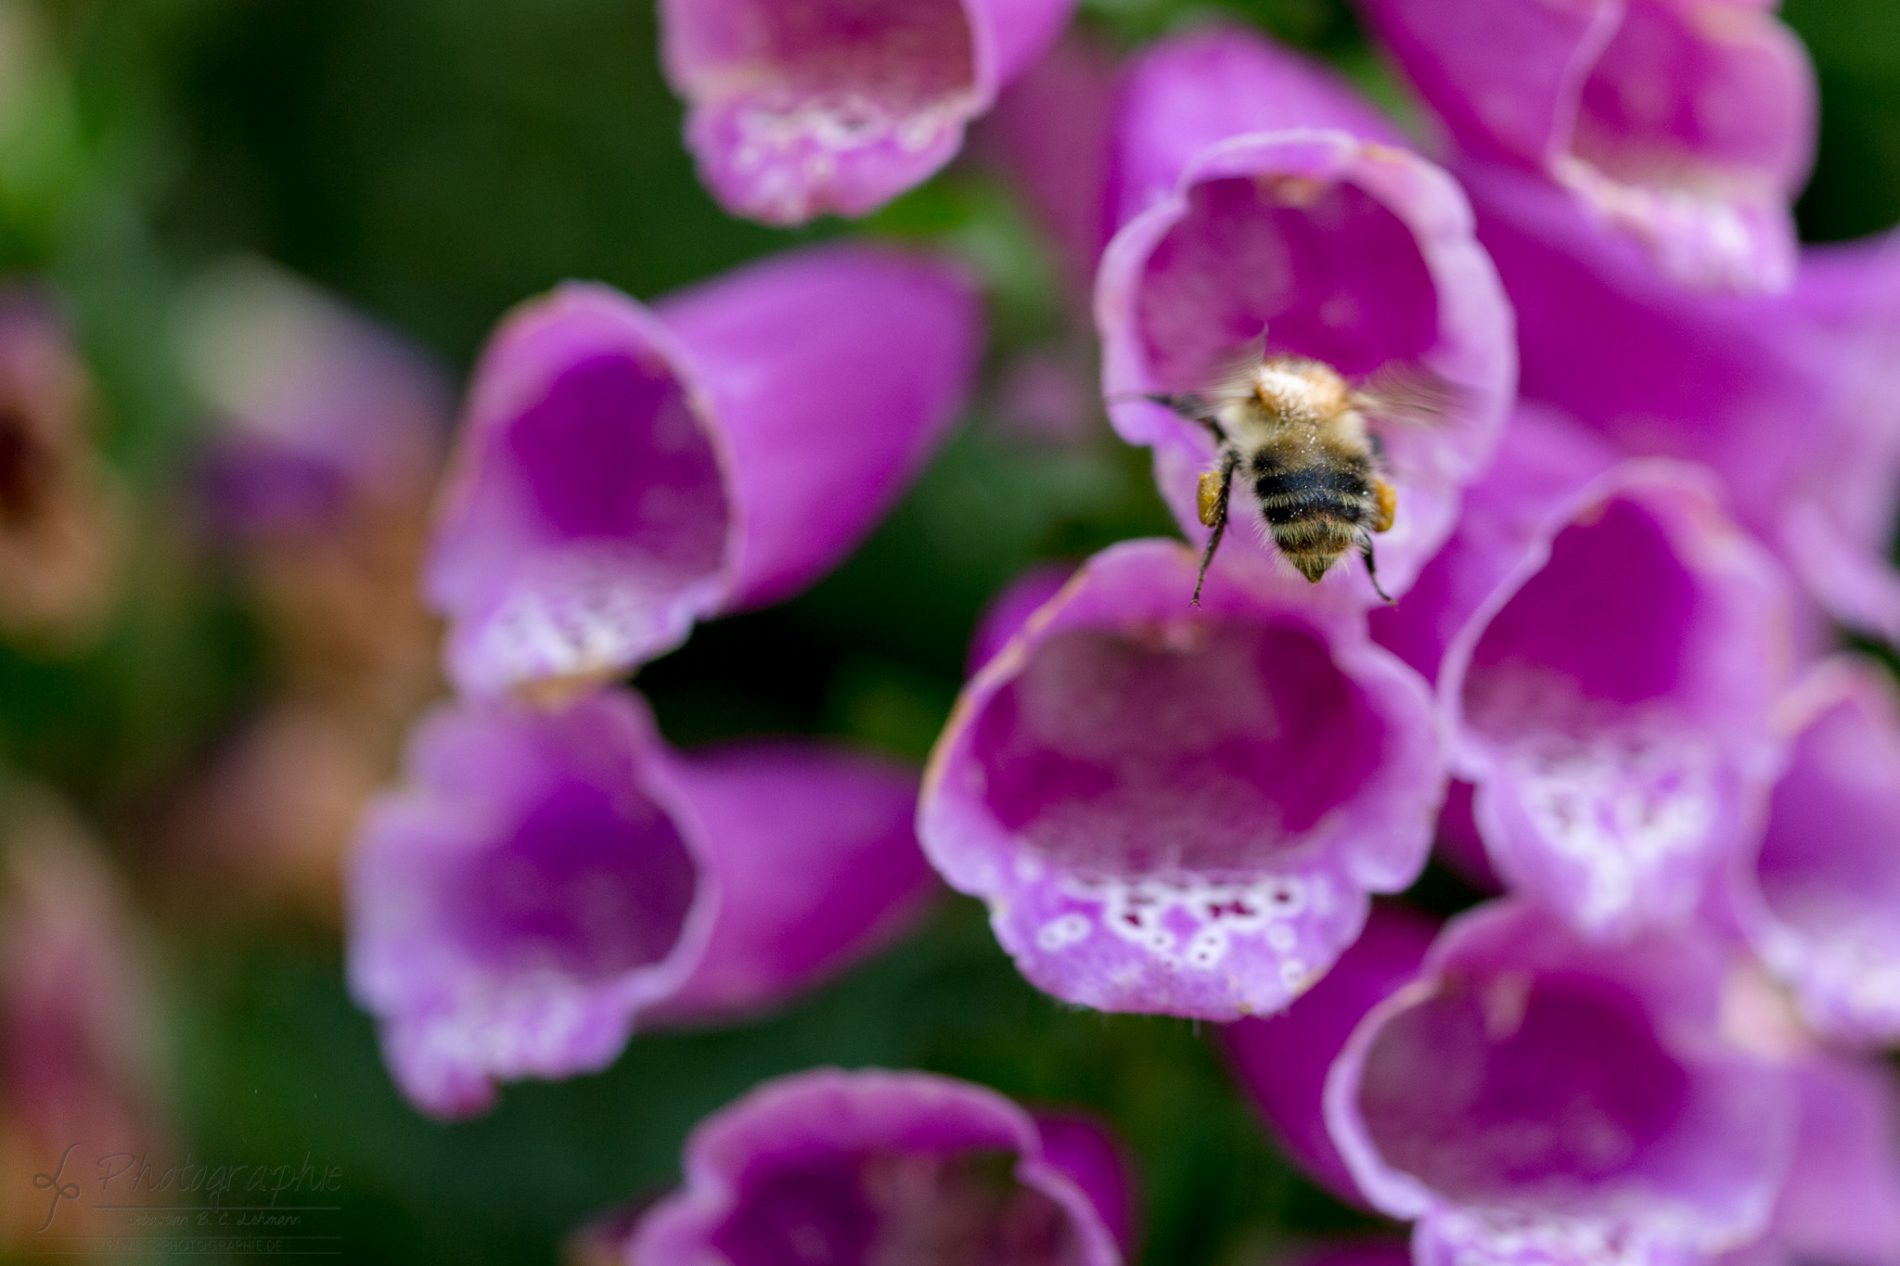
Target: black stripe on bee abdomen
<point>1313,492</point>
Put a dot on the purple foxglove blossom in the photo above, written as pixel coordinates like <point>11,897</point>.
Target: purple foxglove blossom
<point>1819,900</point>
<point>547,882</point>
<point>796,110</point>
<point>626,471</point>
<point>1612,700</point>
<point>1715,379</point>
<point>1264,197</point>
<point>1686,124</point>
<point>875,1166</point>
<point>1536,1097</point>
<point>316,407</point>
<point>1179,810</point>
<point>1282,1061</point>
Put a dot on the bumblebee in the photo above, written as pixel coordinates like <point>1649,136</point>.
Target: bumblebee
<point>1297,436</point>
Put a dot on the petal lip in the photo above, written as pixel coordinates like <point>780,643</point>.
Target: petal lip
<point>838,1114</point>
<point>1471,347</point>
<point>1815,899</point>
<point>794,114</point>
<point>1723,739</point>
<point>1096,915</point>
<point>1495,959</point>
<point>627,471</point>
<point>546,883</point>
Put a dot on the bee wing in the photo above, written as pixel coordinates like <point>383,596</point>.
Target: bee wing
<point>1409,394</point>
<point>1232,377</point>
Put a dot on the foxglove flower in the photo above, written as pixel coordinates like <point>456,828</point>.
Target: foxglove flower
<point>60,521</point>
<point>626,471</point>
<point>1282,1061</point>
<point>1687,124</point>
<point>1180,810</point>
<point>1612,701</point>
<point>1715,379</point>
<point>1535,1097</point>
<point>873,1166</point>
<point>547,882</point>
<point>1265,198</point>
<point>1819,900</point>
<point>317,411</point>
<point>796,110</point>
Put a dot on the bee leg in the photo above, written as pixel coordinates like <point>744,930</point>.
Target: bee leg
<point>1372,568</point>
<point>1213,511</point>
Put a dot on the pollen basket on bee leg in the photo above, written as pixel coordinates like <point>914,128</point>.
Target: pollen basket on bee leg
<point>1207,497</point>
<point>1386,500</point>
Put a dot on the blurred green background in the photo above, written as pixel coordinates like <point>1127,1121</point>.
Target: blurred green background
<point>433,162</point>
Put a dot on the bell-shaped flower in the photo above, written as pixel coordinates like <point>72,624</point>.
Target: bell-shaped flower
<point>875,1166</point>
<point>1181,810</point>
<point>1819,899</point>
<point>796,110</point>
<point>1261,197</point>
<point>626,471</point>
<point>60,517</point>
<point>546,882</point>
<point>1686,124</point>
<point>1791,399</point>
<point>1538,1097</point>
<point>1612,700</point>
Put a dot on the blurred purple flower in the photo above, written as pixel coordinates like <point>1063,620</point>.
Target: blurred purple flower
<point>1820,900</point>
<point>1790,398</point>
<point>625,471</point>
<point>78,1037</point>
<point>547,882</point>
<point>1534,1097</point>
<point>1283,1061</point>
<point>1264,197</point>
<point>1612,699</point>
<point>1176,810</point>
<point>317,408</point>
<point>1050,134</point>
<point>796,110</point>
<point>834,1166</point>
<point>1687,124</point>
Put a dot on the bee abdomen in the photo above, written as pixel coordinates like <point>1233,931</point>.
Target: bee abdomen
<point>1315,513</point>
<point>1296,496</point>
